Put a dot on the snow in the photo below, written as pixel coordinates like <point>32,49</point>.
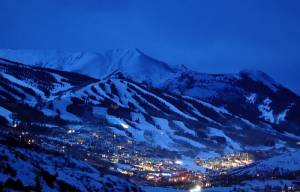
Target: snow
<point>268,114</point>
<point>281,116</point>
<point>169,105</point>
<point>234,145</point>
<point>280,144</point>
<point>161,134</point>
<point>266,111</point>
<point>61,85</point>
<point>284,163</point>
<point>184,128</point>
<point>145,102</point>
<point>61,106</point>
<point>48,112</point>
<point>164,125</point>
<point>6,113</point>
<point>132,62</point>
<point>60,60</point>
<point>28,164</point>
<point>205,155</point>
<point>291,135</point>
<point>118,132</point>
<point>215,108</point>
<point>190,164</point>
<point>11,94</point>
<point>200,114</point>
<point>189,141</point>
<point>22,83</point>
<point>251,98</point>
<point>162,189</point>
<point>253,185</point>
<point>117,121</point>
<point>137,116</point>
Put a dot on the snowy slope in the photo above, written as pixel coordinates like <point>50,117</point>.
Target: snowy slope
<point>278,165</point>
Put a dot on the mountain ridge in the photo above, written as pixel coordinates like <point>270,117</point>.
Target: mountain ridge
<point>110,61</point>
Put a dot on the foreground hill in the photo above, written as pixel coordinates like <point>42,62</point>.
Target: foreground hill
<point>30,168</point>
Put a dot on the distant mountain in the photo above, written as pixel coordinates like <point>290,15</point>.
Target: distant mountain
<point>133,63</point>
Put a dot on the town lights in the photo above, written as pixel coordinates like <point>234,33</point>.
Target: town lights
<point>197,188</point>
<point>178,162</point>
<point>70,131</point>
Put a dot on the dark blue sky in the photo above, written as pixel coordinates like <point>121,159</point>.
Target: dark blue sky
<point>210,35</point>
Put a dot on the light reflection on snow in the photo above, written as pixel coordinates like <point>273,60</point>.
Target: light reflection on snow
<point>179,162</point>
<point>124,125</point>
<point>197,188</point>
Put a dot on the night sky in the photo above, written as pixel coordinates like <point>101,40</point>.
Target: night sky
<point>209,36</point>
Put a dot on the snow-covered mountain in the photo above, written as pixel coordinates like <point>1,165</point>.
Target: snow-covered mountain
<point>84,102</point>
<point>141,113</point>
<point>258,95</point>
<point>136,65</point>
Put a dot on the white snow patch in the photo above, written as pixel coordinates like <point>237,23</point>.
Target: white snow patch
<point>169,105</point>
<point>6,113</point>
<point>117,121</point>
<point>61,105</point>
<point>190,164</point>
<point>22,83</point>
<point>184,128</point>
<point>251,98</point>
<point>266,111</point>
<point>216,132</point>
<point>49,112</point>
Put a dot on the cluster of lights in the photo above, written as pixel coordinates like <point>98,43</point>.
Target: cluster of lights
<point>170,171</point>
<point>126,172</point>
<point>30,141</point>
<point>227,162</point>
<point>70,131</point>
<point>178,162</point>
